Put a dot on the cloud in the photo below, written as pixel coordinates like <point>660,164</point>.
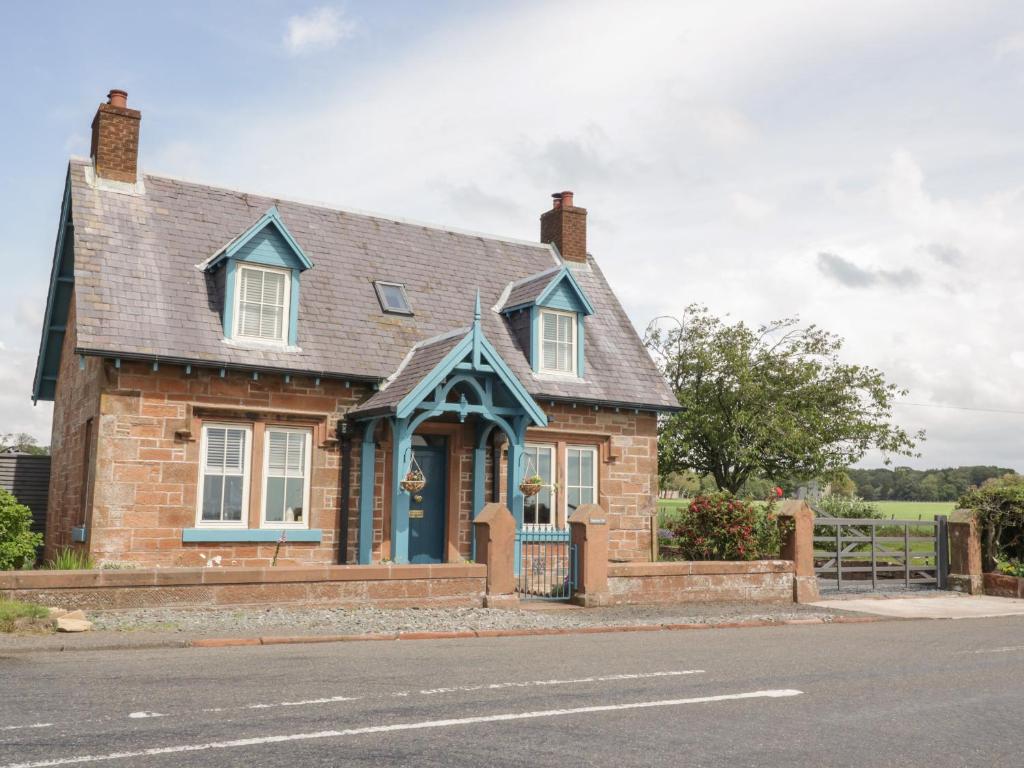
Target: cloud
<point>1009,45</point>
<point>319,29</point>
<point>847,273</point>
<point>751,208</point>
<point>949,255</point>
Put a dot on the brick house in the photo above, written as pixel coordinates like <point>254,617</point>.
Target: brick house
<point>228,370</point>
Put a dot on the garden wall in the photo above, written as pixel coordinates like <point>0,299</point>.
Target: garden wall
<point>428,586</point>
<point>767,581</point>
<point>1001,585</point>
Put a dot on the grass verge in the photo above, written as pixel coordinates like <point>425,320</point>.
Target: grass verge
<point>16,615</point>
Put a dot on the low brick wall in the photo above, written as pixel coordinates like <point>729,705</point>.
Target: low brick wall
<point>768,581</point>
<point>1000,585</point>
<point>455,585</point>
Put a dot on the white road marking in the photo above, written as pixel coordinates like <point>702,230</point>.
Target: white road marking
<point>145,715</point>
<point>1006,649</point>
<point>372,729</point>
<point>535,683</point>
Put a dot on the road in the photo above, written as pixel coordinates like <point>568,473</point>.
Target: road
<point>903,693</point>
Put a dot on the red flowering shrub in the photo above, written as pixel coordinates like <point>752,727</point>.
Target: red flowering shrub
<point>719,526</point>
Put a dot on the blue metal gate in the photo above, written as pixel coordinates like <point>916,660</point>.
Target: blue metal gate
<point>545,565</point>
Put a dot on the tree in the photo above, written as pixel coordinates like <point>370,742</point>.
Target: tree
<point>998,506</point>
<point>23,443</point>
<point>776,401</point>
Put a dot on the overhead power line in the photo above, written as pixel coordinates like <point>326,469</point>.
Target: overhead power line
<point>960,408</point>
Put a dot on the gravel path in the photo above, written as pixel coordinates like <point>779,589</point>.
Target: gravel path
<point>309,620</point>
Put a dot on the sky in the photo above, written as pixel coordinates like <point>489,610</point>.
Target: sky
<point>860,165</point>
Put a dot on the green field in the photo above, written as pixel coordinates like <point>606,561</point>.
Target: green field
<point>915,510</point>
<point>901,510</point>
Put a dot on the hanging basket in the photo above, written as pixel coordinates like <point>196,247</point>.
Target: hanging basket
<point>414,482</point>
<point>531,486</point>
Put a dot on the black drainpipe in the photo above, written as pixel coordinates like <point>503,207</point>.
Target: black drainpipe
<point>495,468</point>
<point>345,440</point>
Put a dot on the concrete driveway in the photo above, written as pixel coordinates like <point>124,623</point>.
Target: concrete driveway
<point>948,605</point>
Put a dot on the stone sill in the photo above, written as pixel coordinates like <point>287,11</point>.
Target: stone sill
<point>698,568</point>
<point>166,577</point>
<point>263,535</point>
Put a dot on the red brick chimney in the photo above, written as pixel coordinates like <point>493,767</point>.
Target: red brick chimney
<point>115,139</point>
<point>565,225</point>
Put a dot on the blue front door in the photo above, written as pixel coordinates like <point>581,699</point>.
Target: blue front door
<point>427,508</point>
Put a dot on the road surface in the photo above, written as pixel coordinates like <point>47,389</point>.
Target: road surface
<point>900,693</point>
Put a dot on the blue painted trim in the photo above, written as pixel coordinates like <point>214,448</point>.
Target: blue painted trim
<point>472,344</point>
<point>52,297</point>
<point>534,338</point>
<point>367,473</point>
<point>220,535</point>
<point>229,299</point>
<point>565,275</point>
<point>579,345</point>
<point>293,311</point>
<point>271,218</point>
<point>79,534</point>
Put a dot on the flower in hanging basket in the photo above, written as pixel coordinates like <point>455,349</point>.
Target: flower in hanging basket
<point>414,481</point>
<point>531,485</point>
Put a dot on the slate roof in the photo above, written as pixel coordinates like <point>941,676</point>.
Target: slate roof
<point>420,361</point>
<point>526,291</point>
<point>139,292</point>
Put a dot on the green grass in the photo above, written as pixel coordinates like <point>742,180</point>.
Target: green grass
<point>12,610</point>
<point>901,510</point>
<point>914,510</point>
<point>69,559</point>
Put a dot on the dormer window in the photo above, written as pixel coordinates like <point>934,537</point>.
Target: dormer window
<point>558,342</point>
<point>258,273</point>
<point>262,303</point>
<point>392,298</point>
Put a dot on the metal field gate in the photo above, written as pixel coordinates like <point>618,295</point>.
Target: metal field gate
<point>545,565</point>
<point>869,554</point>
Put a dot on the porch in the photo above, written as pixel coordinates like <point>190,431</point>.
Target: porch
<point>453,401</point>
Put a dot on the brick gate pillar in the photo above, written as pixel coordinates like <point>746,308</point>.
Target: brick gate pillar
<point>965,566</point>
<point>798,546</point>
<point>494,531</point>
<point>588,533</point>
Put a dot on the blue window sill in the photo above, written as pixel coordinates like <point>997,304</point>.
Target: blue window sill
<point>221,535</point>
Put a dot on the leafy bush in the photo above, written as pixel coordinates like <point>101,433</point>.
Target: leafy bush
<point>998,506</point>
<point>719,526</point>
<point>1011,568</point>
<point>847,507</point>
<point>69,559</point>
<point>17,542</point>
<point>12,610</point>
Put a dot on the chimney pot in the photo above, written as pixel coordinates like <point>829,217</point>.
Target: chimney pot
<point>118,98</point>
<point>565,226</point>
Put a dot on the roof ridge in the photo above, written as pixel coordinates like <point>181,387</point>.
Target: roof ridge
<point>352,211</point>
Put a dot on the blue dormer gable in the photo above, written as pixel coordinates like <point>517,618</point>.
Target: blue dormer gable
<point>262,263</point>
<point>554,335</point>
<point>563,292</point>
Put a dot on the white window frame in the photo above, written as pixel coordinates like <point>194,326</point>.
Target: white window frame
<point>236,332</point>
<point>574,352</point>
<point>308,434</point>
<point>553,487</point>
<point>593,449</point>
<point>246,476</point>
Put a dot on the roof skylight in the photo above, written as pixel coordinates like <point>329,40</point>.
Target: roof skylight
<point>392,297</point>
